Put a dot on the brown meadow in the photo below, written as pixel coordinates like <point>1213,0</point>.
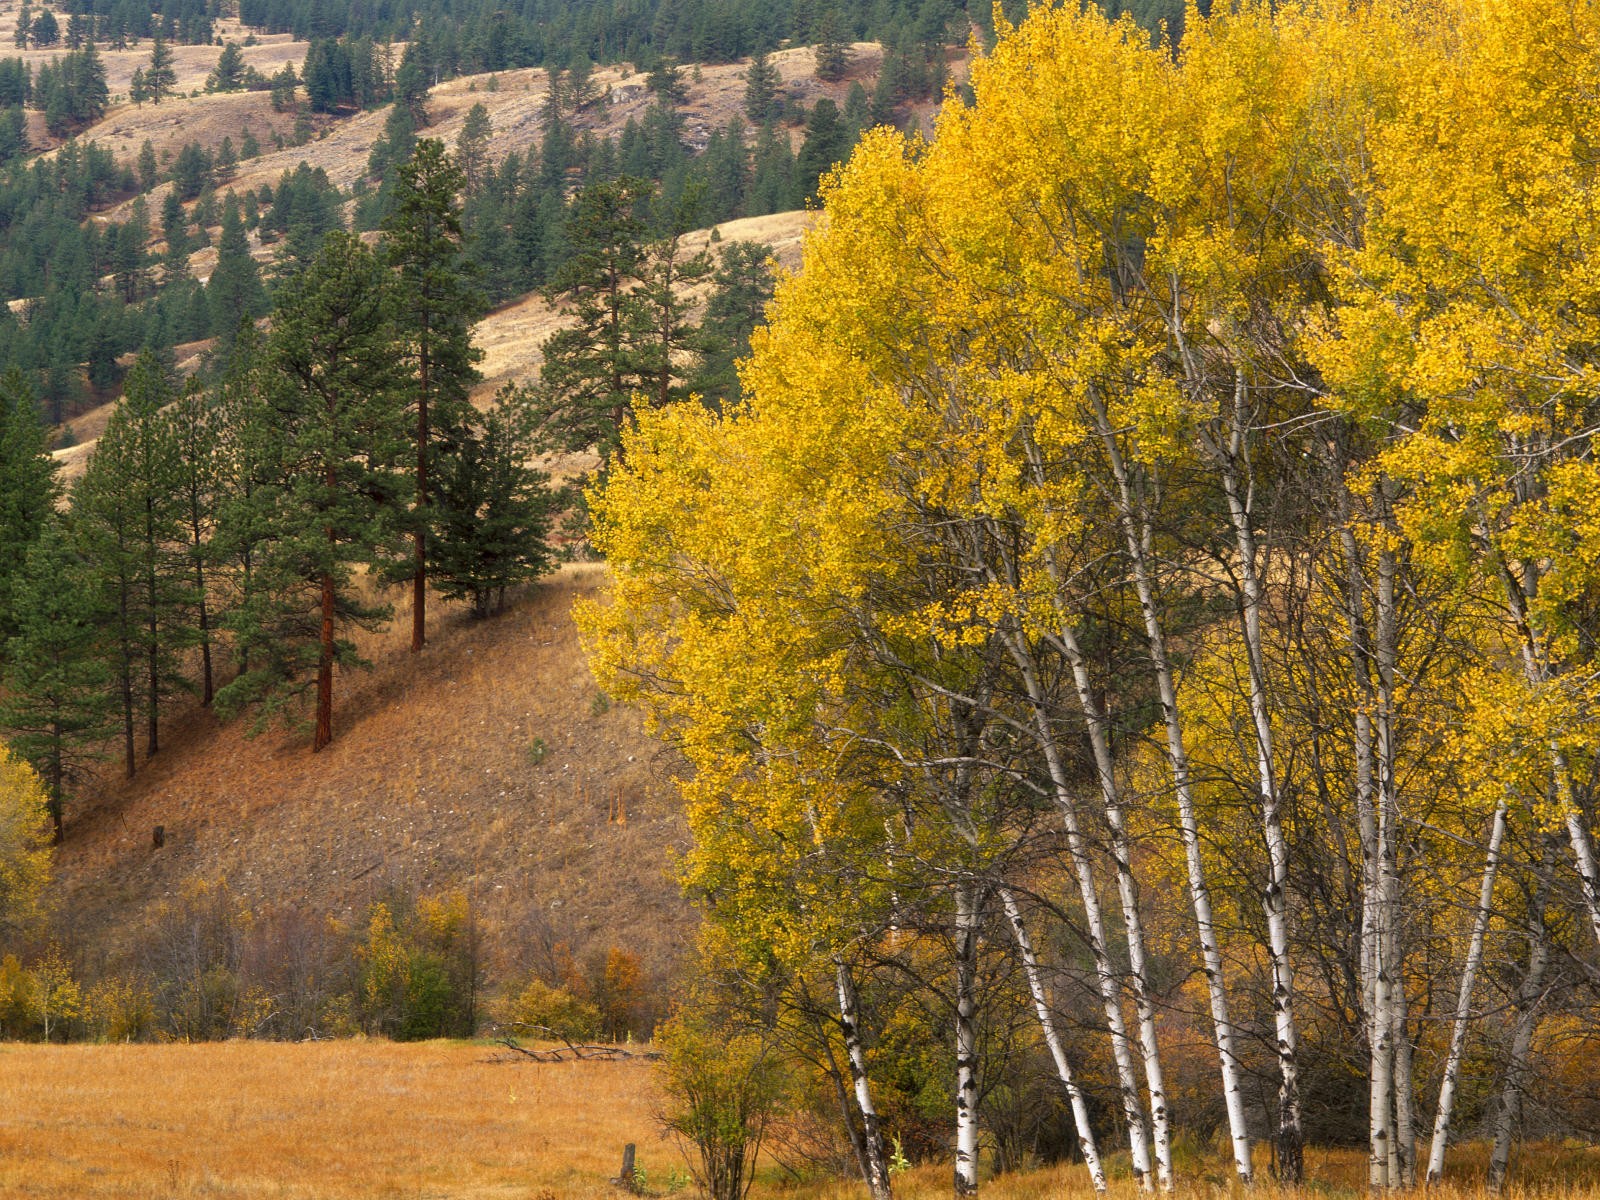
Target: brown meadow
<point>315,1121</point>
<point>352,1120</point>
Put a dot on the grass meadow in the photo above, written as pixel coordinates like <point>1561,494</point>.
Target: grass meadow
<point>458,1121</point>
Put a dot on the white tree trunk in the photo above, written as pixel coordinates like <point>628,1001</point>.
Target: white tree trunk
<point>875,1163</point>
<point>1058,1053</point>
<point>1275,902</point>
<point>1127,891</point>
<point>966,937</point>
<point>1136,535</point>
<point>1463,1014</point>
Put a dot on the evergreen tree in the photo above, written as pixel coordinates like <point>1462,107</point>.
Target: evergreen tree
<point>149,168</point>
<point>493,510</point>
<point>665,340</point>
<point>435,311</point>
<point>833,48</point>
<point>56,707</point>
<point>827,144</point>
<point>331,491</point>
<point>138,529</point>
<point>228,75</point>
<point>234,292</point>
<point>160,78</point>
<point>743,286</point>
<point>44,30</point>
<point>28,489</point>
<point>590,369</point>
<point>666,81</point>
<point>472,148</point>
<point>192,428</point>
<point>763,102</point>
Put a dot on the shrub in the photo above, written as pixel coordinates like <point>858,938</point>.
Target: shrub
<point>538,1007</point>
<point>724,1089</point>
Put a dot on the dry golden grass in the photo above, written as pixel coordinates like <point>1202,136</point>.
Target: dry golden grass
<point>359,1119</point>
<point>489,762</point>
<point>316,1121</point>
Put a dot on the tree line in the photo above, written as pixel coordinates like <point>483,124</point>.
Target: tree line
<point>231,533</point>
<point>250,524</point>
<point>1139,630</point>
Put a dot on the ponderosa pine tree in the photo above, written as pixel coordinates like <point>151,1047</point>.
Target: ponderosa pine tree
<point>435,310</point>
<point>195,432</point>
<point>743,281</point>
<point>491,509</point>
<point>160,77</point>
<point>331,496</point>
<point>28,489</point>
<point>58,707</point>
<point>131,519</point>
<point>590,370</point>
<point>234,293</point>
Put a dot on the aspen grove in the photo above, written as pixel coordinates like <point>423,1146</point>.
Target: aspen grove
<point>1145,606</point>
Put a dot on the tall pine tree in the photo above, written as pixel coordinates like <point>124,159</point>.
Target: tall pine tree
<point>435,312</point>
<point>329,503</point>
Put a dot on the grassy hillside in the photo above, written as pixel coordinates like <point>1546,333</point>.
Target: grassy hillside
<point>489,763</point>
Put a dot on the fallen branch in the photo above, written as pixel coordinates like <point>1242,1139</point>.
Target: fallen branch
<point>571,1051</point>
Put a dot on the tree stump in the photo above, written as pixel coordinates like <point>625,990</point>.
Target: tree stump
<point>626,1178</point>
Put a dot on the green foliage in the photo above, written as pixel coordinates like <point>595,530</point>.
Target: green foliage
<point>420,968</point>
<point>326,501</point>
<point>541,1010</point>
<point>724,1086</point>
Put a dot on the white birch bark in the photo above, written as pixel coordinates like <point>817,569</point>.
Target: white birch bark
<point>1238,491</point>
<point>1058,1052</point>
<point>1099,737</point>
<point>875,1163</point>
<point>1463,1013</point>
<point>966,937</point>
<point>1136,535</point>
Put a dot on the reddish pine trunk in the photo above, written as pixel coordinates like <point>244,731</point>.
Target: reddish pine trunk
<point>419,581</point>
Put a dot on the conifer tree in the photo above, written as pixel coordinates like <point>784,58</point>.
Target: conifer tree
<point>590,368</point>
<point>762,102</point>
<point>57,708</point>
<point>744,283</point>
<point>472,149</point>
<point>331,490</point>
<point>160,78</point>
<point>194,433</point>
<point>492,509</point>
<point>435,311</point>
<point>130,521</point>
<point>28,489</point>
<point>234,292</point>
<point>833,48</point>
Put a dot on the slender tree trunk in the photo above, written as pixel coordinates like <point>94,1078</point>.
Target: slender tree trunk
<point>1530,998</point>
<point>152,627</point>
<point>56,784</point>
<point>1111,992</point>
<point>1138,538</point>
<point>1463,1013</point>
<point>324,733</point>
<point>1405,1116</point>
<point>419,580</point>
<point>966,939</point>
<point>1052,1039</point>
<point>875,1162</point>
<point>1238,490</point>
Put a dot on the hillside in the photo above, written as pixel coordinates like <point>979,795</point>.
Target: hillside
<point>490,763</point>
